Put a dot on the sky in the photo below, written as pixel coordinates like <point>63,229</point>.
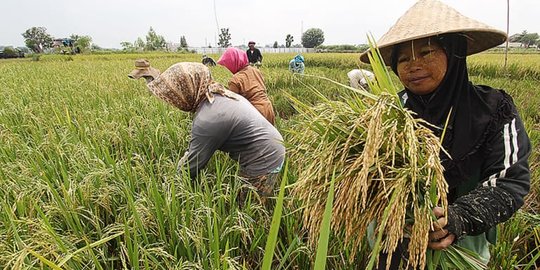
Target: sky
<point>110,22</point>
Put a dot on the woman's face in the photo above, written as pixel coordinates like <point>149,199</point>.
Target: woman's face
<point>421,65</point>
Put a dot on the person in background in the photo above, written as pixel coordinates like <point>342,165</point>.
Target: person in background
<point>222,120</point>
<point>254,55</point>
<point>487,169</point>
<point>247,81</point>
<point>296,65</point>
<point>358,78</point>
<point>208,61</point>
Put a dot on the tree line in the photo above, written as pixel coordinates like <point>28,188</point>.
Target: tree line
<point>311,38</point>
<point>38,40</point>
<point>526,39</point>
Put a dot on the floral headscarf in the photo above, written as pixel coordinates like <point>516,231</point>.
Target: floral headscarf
<point>234,59</point>
<point>186,85</point>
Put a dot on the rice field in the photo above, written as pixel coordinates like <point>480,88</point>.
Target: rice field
<point>88,169</point>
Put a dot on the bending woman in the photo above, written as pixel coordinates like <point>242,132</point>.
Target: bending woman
<point>224,121</point>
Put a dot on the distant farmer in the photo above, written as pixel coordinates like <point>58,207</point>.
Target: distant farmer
<point>144,70</point>
<point>222,120</point>
<point>247,81</point>
<point>358,78</point>
<point>254,55</point>
<point>296,65</point>
<point>208,61</point>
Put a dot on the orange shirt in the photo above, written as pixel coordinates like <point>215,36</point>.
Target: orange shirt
<point>249,83</point>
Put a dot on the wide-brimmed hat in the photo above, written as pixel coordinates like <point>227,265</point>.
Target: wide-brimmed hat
<point>142,69</point>
<point>251,42</point>
<point>431,18</point>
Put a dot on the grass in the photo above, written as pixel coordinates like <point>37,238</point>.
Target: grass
<point>87,154</point>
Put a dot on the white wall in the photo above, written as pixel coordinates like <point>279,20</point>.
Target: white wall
<point>205,50</point>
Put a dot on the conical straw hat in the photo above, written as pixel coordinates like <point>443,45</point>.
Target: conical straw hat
<point>430,18</point>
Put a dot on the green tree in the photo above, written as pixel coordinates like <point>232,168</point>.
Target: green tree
<point>275,44</point>
<point>529,39</point>
<point>525,38</point>
<point>183,42</point>
<point>74,37</point>
<point>224,38</point>
<point>83,42</point>
<point>10,52</point>
<point>312,38</point>
<point>127,46</point>
<point>154,42</point>
<point>37,39</point>
<point>139,44</point>
<point>95,47</point>
<point>514,38</point>
<point>289,39</point>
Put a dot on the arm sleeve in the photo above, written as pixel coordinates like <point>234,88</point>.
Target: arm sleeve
<point>505,182</point>
<point>204,142</point>
<point>234,86</point>
<point>353,79</point>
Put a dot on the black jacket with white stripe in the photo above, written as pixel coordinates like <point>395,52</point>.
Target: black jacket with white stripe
<point>496,189</point>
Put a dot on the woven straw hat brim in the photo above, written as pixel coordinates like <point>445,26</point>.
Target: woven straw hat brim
<point>141,72</point>
<point>431,18</point>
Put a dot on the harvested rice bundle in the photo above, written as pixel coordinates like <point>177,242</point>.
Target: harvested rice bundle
<point>386,165</point>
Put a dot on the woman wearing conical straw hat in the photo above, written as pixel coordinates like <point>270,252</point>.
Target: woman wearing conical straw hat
<point>487,168</point>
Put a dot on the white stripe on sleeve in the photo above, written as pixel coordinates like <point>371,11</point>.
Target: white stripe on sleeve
<point>511,149</point>
<point>514,142</point>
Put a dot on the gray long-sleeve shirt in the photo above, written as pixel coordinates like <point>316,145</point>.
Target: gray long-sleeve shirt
<point>237,128</point>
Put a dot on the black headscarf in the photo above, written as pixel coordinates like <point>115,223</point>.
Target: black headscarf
<point>474,110</point>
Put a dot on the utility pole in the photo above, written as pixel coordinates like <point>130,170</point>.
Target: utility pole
<point>507,32</point>
<point>215,16</point>
<point>301,31</point>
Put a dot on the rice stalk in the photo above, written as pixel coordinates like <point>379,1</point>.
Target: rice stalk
<point>274,227</point>
<point>322,245</point>
<point>386,165</point>
<point>377,153</point>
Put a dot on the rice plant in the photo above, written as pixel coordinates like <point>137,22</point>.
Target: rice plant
<point>387,167</point>
<point>385,160</point>
<point>88,171</point>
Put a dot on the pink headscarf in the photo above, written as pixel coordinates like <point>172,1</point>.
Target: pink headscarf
<point>234,59</point>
